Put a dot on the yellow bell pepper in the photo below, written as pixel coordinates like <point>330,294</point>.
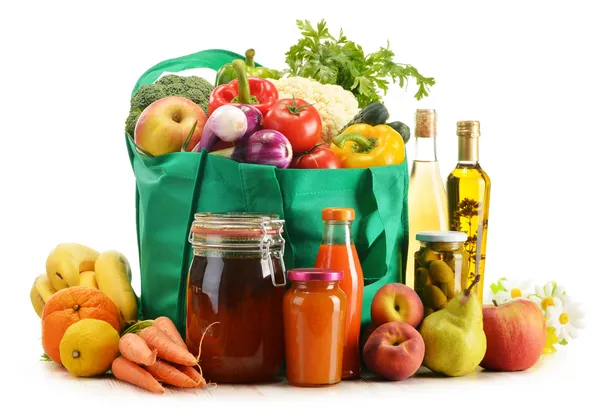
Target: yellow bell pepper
<point>364,146</point>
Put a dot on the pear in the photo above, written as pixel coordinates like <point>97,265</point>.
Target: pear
<point>455,342</point>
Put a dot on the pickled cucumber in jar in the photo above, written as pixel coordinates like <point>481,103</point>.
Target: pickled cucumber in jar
<point>440,266</point>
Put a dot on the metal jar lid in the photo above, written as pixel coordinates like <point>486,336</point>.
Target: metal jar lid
<point>442,236</point>
<point>241,232</point>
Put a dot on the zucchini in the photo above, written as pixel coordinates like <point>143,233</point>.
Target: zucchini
<point>402,129</point>
<point>373,114</point>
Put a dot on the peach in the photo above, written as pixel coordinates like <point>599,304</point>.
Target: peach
<point>515,333</point>
<point>394,351</point>
<point>396,302</point>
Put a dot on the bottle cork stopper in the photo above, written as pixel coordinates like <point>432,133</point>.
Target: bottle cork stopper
<point>426,123</point>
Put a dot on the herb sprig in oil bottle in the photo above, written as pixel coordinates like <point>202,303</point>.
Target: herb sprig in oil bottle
<point>468,189</point>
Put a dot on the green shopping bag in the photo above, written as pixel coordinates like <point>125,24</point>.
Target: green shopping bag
<point>171,188</point>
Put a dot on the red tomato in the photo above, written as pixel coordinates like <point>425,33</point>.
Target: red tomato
<point>318,157</point>
<point>297,120</point>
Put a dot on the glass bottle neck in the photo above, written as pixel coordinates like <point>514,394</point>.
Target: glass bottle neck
<point>425,149</point>
<point>468,150</point>
<point>337,232</point>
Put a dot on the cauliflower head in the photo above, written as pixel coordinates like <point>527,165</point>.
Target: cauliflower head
<point>336,105</point>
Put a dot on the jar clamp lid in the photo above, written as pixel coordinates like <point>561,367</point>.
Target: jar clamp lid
<point>241,232</point>
<point>442,236</point>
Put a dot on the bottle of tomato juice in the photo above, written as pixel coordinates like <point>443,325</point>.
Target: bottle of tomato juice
<point>337,251</point>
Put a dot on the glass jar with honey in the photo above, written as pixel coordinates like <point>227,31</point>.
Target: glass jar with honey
<point>235,291</point>
<point>441,268</point>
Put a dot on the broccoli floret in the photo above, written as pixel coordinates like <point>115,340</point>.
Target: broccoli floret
<point>169,80</point>
<point>131,121</point>
<point>197,82</point>
<point>147,94</point>
<point>175,89</point>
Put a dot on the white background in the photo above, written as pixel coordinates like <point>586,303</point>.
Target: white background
<point>528,71</point>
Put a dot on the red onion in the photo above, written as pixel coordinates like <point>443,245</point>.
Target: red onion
<point>267,147</point>
<point>254,119</point>
<point>227,122</point>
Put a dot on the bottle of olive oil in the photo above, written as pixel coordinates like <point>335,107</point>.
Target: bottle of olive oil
<point>468,190</point>
<point>427,200</point>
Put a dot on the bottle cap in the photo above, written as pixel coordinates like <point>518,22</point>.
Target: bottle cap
<point>337,214</point>
<point>467,129</point>
<point>442,236</point>
<point>315,275</point>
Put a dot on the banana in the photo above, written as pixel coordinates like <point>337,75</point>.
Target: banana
<point>41,291</point>
<point>113,275</point>
<point>44,287</point>
<point>36,301</point>
<point>88,278</point>
<point>65,263</point>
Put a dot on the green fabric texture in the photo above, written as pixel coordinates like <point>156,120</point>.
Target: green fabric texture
<point>171,188</point>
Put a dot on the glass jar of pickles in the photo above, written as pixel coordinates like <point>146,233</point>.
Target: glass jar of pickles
<point>441,267</point>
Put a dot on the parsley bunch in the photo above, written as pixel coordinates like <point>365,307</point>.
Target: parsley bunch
<point>320,56</point>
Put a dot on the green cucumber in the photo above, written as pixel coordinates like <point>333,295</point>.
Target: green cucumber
<point>402,129</point>
<point>373,114</point>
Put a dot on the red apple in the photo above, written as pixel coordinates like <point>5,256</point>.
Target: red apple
<point>394,351</point>
<point>516,333</point>
<point>165,124</point>
<point>396,302</point>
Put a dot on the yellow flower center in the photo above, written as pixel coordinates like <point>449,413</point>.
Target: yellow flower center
<point>516,293</point>
<point>547,302</point>
<point>563,318</point>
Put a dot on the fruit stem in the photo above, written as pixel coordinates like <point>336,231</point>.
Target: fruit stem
<point>250,53</point>
<point>494,302</point>
<point>473,283</point>
<point>244,95</point>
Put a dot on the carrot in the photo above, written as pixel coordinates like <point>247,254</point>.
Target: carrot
<point>193,374</point>
<point>167,349</point>
<point>167,327</point>
<point>168,374</point>
<point>136,350</point>
<point>127,371</point>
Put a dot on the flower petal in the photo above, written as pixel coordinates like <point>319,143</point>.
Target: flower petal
<point>548,288</point>
<point>539,291</point>
<point>535,299</point>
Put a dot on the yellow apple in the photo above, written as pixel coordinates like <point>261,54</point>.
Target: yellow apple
<point>165,124</point>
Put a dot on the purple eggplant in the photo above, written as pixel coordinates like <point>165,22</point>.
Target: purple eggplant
<point>267,147</point>
<point>254,119</point>
<point>227,123</point>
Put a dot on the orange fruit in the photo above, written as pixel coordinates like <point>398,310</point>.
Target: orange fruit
<point>71,305</point>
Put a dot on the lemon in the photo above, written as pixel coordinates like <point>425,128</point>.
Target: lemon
<point>89,347</point>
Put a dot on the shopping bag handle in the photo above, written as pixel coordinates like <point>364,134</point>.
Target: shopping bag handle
<point>205,59</point>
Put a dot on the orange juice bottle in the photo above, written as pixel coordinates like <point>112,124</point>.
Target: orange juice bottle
<point>337,251</point>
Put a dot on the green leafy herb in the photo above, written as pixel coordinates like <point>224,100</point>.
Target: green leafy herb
<point>340,61</point>
<point>137,326</point>
<point>45,358</point>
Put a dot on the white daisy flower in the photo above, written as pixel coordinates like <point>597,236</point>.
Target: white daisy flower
<point>565,318</point>
<point>548,295</point>
<point>513,289</point>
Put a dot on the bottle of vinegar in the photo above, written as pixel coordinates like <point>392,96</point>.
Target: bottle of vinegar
<point>427,200</point>
<point>469,200</point>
